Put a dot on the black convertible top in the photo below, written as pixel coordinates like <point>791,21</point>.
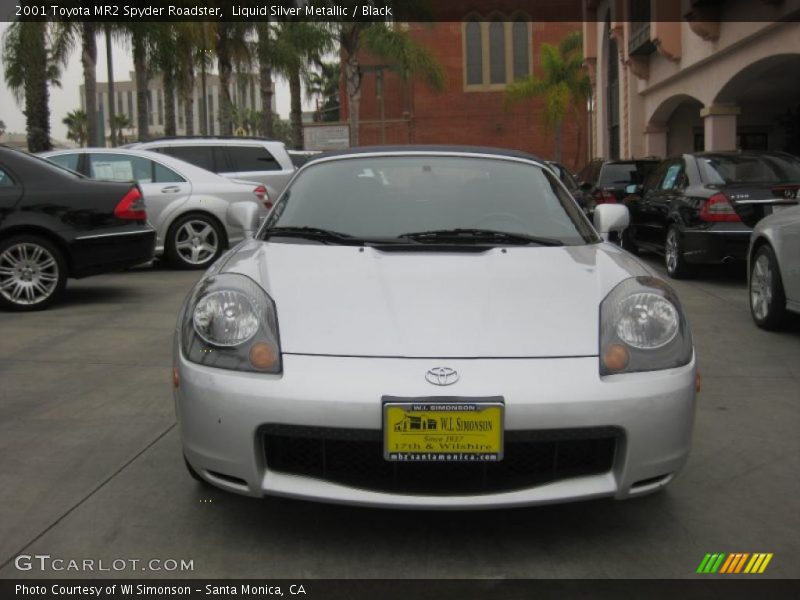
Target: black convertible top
<point>412,148</point>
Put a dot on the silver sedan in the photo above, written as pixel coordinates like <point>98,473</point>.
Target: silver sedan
<point>434,327</point>
<point>190,208</point>
<point>774,274</point>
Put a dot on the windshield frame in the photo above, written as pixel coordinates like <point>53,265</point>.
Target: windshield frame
<point>583,225</point>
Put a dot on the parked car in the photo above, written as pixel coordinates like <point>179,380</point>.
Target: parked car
<point>253,159</point>
<point>459,291</point>
<point>774,262</point>
<point>605,182</point>
<point>189,207</point>
<point>56,224</point>
<point>690,208</point>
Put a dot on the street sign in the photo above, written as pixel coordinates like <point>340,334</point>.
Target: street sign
<point>326,137</point>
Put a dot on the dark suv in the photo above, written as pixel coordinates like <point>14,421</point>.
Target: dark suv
<point>604,182</point>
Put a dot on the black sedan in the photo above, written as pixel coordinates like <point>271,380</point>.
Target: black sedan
<point>56,224</point>
<point>691,208</point>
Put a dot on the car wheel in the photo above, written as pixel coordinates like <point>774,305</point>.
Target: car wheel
<point>674,260</point>
<point>194,242</point>
<point>33,273</point>
<point>767,298</point>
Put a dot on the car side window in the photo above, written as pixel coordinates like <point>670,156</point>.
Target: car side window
<point>120,167</point>
<point>200,156</point>
<point>672,176</point>
<point>68,161</point>
<point>5,179</point>
<point>654,178</point>
<point>252,158</point>
<point>165,175</point>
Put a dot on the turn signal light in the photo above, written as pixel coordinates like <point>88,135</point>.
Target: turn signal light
<point>263,356</point>
<point>616,357</point>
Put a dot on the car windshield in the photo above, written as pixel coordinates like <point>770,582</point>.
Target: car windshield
<point>398,197</point>
<point>625,173</point>
<point>722,169</point>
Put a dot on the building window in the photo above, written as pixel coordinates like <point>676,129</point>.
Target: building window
<point>474,53</point>
<point>160,106</point>
<point>150,107</point>
<point>520,41</point>
<point>495,53</point>
<point>130,105</point>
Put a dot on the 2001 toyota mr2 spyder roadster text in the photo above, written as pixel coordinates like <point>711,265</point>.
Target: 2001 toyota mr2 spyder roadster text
<point>433,327</point>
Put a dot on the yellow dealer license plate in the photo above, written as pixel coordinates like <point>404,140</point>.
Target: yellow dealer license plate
<point>443,430</point>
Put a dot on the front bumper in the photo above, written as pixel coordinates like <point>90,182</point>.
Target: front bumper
<point>222,416</point>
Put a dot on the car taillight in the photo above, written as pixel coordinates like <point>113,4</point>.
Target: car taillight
<point>718,209</point>
<point>604,197</point>
<point>131,207</point>
<point>261,194</point>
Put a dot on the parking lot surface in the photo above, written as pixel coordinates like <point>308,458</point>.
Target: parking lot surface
<point>91,463</point>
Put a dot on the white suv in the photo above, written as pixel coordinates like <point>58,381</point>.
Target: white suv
<point>251,159</point>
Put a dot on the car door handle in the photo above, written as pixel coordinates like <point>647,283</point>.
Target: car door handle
<point>170,189</point>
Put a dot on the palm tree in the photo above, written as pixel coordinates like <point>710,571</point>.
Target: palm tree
<point>107,30</point>
<point>141,37</point>
<point>263,50</point>
<point>388,42</point>
<point>564,86</point>
<point>232,48</point>
<point>121,122</point>
<point>324,85</point>
<point>29,67</point>
<point>68,35</point>
<point>77,123</point>
<point>296,44</point>
<point>165,59</point>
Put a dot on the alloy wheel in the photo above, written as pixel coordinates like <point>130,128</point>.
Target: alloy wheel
<point>28,273</point>
<point>761,287</point>
<point>671,251</point>
<point>196,242</point>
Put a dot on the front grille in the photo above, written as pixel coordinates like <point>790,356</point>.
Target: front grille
<point>354,457</point>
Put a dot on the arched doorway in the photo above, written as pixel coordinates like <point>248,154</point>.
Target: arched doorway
<point>675,127</point>
<point>765,96</point>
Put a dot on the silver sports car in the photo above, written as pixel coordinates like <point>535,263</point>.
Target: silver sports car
<point>189,207</point>
<point>433,327</point>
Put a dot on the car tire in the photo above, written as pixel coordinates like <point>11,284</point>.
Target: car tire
<point>33,273</point>
<point>674,260</point>
<point>194,241</point>
<point>765,290</point>
<point>626,242</point>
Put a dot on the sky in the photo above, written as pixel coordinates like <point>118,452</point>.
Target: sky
<point>67,97</point>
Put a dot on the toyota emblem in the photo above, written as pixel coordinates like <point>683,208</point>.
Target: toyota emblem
<point>441,376</point>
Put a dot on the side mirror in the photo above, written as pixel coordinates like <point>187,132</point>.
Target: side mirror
<point>243,215</point>
<point>633,189</point>
<point>610,217</point>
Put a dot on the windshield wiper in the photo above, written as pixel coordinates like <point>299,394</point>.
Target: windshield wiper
<point>327,236</point>
<point>479,235</point>
<point>313,233</point>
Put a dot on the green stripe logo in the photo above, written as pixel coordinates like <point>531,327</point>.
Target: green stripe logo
<point>734,563</point>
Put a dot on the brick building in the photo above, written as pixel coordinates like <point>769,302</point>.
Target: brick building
<point>480,55</point>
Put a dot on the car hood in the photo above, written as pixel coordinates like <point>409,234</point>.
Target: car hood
<point>515,302</point>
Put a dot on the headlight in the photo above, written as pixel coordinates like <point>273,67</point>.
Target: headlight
<point>642,328</point>
<point>229,322</point>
